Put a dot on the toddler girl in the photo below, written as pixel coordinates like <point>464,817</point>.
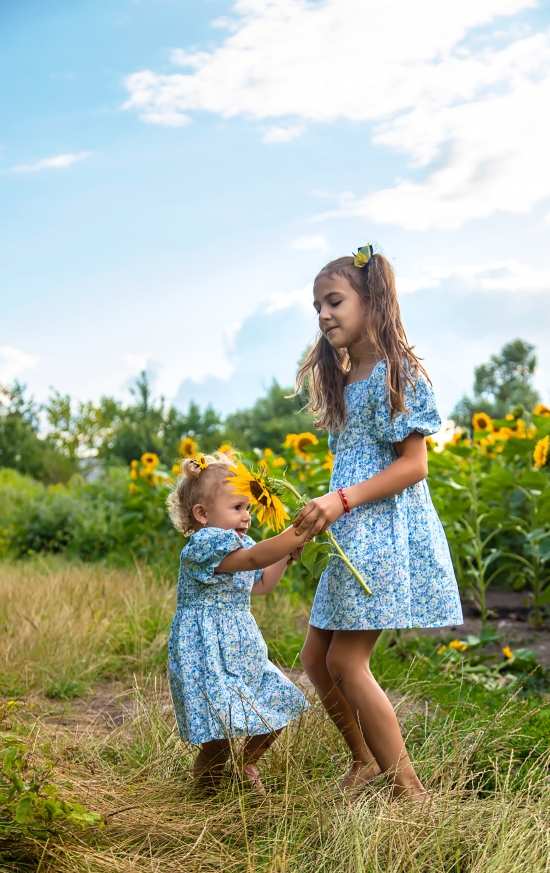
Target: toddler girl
<point>222,683</point>
<point>370,391</point>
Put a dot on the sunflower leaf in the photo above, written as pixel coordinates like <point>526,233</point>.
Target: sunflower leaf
<point>316,557</point>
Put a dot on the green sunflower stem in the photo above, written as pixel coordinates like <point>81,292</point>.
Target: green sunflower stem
<point>302,500</point>
<point>348,563</point>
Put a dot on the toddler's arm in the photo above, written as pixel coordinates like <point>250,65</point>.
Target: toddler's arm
<point>273,575</point>
<point>410,467</point>
<point>266,553</point>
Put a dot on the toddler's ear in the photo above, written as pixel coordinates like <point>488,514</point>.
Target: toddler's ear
<point>199,513</point>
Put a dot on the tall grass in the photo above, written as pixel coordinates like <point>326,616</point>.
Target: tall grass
<point>65,626</point>
<point>488,809</point>
<point>485,760</point>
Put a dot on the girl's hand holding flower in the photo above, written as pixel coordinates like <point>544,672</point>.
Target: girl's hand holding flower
<point>319,514</point>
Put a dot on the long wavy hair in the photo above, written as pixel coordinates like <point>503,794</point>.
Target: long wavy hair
<point>325,368</point>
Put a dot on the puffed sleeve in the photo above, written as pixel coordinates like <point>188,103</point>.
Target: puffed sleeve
<point>206,550</point>
<point>421,414</point>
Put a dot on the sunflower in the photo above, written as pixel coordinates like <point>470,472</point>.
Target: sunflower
<point>290,440</point>
<point>149,459</point>
<point>430,444</point>
<point>279,462</point>
<point>226,449</point>
<point>481,421</point>
<point>540,455</point>
<point>260,490</point>
<point>176,468</point>
<point>134,469</point>
<point>541,409</point>
<point>188,448</point>
<point>329,462</point>
<point>456,439</point>
<point>201,461</point>
<point>301,443</point>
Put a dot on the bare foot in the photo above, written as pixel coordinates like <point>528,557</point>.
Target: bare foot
<point>250,775</point>
<point>358,774</point>
<point>416,793</point>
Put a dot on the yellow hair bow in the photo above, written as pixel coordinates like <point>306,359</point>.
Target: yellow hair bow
<point>363,256</point>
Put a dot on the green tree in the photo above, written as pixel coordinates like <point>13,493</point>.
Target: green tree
<point>205,427</point>
<point>80,430</point>
<point>21,448</point>
<point>501,385</point>
<point>267,422</point>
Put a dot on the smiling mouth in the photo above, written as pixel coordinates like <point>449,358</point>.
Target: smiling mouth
<point>241,531</point>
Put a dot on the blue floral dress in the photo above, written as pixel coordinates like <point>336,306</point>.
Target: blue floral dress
<point>222,683</point>
<point>398,543</point>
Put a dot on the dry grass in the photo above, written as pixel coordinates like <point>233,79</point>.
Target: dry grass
<point>488,810</point>
<point>485,811</point>
<point>66,626</point>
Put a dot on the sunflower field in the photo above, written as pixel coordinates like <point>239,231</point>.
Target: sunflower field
<point>490,485</point>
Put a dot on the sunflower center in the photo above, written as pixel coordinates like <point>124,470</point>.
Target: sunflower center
<point>258,493</point>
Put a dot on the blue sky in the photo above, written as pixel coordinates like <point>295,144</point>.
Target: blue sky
<point>173,175</point>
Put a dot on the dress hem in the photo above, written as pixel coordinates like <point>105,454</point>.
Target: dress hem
<point>237,734</point>
<point>393,626</point>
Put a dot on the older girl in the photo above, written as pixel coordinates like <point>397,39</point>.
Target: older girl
<point>371,392</point>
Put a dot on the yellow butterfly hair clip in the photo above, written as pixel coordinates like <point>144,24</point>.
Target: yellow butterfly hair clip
<point>363,256</point>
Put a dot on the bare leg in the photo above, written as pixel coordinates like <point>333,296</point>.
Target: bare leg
<point>255,747</point>
<point>314,661</point>
<point>209,764</point>
<point>348,664</point>
<point>252,750</point>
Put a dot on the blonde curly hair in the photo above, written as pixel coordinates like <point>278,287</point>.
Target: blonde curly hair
<point>196,485</point>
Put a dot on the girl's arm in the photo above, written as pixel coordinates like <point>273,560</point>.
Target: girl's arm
<point>266,553</point>
<point>273,575</point>
<point>410,467</point>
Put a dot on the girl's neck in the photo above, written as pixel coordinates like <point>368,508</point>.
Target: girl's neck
<point>362,362</point>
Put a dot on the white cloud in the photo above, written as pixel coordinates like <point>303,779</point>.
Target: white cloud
<point>137,363</point>
<point>278,134</point>
<point>13,363</point>
<point>508,275</point>
<point>281,300</point>
<point>480,112</point>
<point>409,286</point>
<point>51,163</point>
<point>310,242</point>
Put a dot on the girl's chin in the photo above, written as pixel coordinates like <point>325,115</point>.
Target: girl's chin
<point>336,340</point>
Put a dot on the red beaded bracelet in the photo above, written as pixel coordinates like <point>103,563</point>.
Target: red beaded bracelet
<point>344,499</point>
